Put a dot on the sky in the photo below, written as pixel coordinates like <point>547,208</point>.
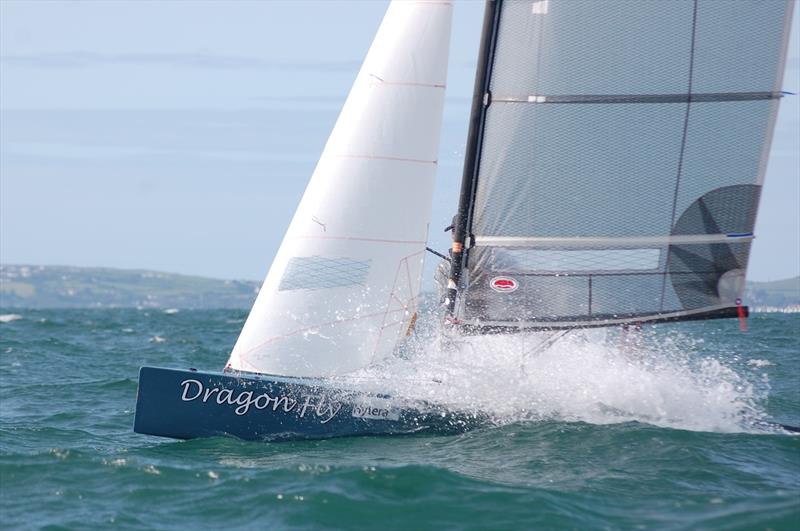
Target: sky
<point>179,136</point>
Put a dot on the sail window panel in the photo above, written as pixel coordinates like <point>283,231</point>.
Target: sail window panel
<point>319,272</point>
<point>568,261</point>
<point>725,146</point>
<point>739,45</point>
<point>578,170</point>
<point>586,47</point>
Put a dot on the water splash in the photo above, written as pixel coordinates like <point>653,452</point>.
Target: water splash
<point>596,376</point>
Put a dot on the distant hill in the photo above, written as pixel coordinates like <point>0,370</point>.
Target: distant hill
<point>775,294</point>
<point>30,286</point>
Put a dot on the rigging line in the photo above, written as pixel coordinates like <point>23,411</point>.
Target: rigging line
<point>386,314</point>
<point>437,253</point>
<point>544,345</point>
<point>685,134</point>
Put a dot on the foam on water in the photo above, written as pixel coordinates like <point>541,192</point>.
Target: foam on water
<point>589,376</point>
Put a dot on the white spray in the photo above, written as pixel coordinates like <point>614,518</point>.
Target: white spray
<point>592,376</point>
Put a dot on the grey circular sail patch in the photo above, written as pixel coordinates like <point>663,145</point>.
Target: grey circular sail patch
<point>709,274</point>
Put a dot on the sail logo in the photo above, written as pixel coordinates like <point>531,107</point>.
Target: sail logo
<point>503,284</point>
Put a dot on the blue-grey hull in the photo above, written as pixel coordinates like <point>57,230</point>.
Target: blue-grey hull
<point>185,404</point>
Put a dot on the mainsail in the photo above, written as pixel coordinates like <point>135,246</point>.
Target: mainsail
<point>343,288</point>
<point>616,156</point>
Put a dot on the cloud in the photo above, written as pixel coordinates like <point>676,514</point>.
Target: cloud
<point>200,60</point>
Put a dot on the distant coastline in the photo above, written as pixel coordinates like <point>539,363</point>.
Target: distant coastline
<point>775,296</point>
<point>36,286</point>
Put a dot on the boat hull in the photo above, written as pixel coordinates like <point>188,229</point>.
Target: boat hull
<point>186,404</point>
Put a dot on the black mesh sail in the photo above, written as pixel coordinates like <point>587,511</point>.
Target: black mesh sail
<point>622,147</point>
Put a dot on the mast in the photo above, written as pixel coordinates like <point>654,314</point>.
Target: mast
<point>481,99</point>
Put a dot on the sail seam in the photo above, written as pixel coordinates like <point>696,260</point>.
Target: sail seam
<point>429,2</point>
<point>382,157</point>
<point>408,83</point>
<point>355,238</point>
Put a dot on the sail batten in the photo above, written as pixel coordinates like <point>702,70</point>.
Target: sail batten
<point>622,150</point>
<point>600,242</point>
<point>639,98</point>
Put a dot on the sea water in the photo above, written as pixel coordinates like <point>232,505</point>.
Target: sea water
<point>661,429</point>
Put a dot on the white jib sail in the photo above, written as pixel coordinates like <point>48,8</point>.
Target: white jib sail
<point>343,288</point>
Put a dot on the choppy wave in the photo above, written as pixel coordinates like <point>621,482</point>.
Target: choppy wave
<point>593,432</point>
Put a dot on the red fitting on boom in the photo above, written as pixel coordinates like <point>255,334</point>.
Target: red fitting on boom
<point>742,315</point>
